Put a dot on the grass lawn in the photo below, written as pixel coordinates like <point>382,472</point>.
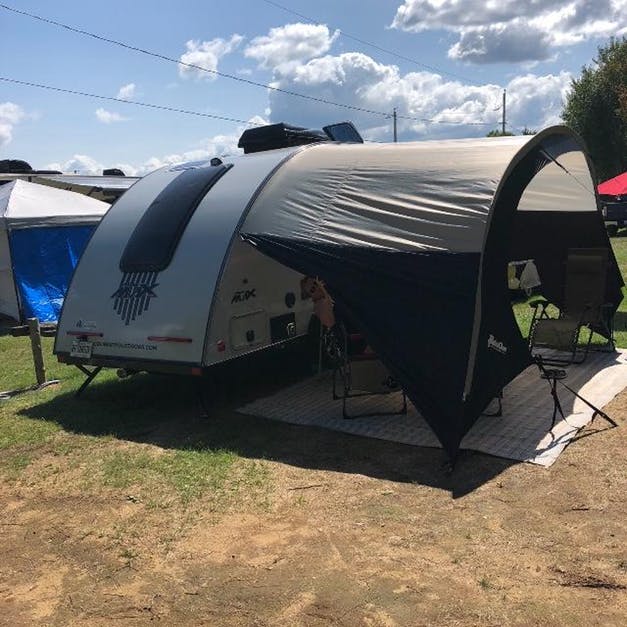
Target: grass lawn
<point>50,433</point>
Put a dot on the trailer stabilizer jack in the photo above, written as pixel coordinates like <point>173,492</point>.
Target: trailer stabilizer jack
<point>90,374</point>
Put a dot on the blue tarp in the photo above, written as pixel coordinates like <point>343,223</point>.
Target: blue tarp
<point>43,262</point>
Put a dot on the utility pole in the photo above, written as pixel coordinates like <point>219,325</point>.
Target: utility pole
<point>394,118</point>
<point>503,122</point>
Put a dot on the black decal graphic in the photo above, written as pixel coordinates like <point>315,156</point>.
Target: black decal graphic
<point>133,295</point>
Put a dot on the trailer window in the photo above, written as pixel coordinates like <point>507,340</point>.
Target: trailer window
<point>156,236</point>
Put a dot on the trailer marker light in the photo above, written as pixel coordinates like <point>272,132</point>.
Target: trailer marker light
<point>85,333</point>
<point>197,372</point>
<point>221,344</point>
<point>168,338</point>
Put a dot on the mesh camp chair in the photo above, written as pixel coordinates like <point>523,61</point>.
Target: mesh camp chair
<point>583,307</point>
<point>358,372</point>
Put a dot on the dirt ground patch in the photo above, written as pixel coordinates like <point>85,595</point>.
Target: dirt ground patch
<point>342,531</point>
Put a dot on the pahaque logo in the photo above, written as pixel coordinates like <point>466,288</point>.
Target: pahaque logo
<point>496,345</point>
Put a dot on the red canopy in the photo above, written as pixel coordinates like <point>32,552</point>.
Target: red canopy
<point>614,187</point>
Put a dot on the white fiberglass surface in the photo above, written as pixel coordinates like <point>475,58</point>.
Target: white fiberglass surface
<point>178,297</point>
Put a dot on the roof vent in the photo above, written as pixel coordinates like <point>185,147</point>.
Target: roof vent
<point>113,172</point>
<point>282,135</point>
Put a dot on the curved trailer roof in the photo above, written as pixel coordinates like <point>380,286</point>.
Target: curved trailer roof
<point>413,241</point>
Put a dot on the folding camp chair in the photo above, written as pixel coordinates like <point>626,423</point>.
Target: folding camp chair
<point>583,306</point>
<point>358,372</point>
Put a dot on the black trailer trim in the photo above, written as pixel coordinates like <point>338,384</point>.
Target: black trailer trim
<point>158,233</point>
<point>129,363</point>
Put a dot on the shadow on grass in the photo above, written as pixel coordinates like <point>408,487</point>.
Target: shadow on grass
<point>166,411</point>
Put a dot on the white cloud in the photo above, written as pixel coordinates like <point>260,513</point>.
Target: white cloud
<point>357,80</point>
<point>285,46</point>
<point>216,146</point>
<point>206,54</point>
<point>127,92</point>
<point>78,164</point>
<point>513,42</point>
<point>536,101</point>
<point>513,30</point>
<point>107,117</point>
<point>10,115</point>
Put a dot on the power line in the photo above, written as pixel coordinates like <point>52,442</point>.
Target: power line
<point>149,105</point>
<point>240,79</point>
<point>371,45</point>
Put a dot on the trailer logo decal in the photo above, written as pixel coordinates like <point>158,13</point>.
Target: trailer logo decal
<point>496,345</point>
<point>241,296</point>
<point>134,294</point>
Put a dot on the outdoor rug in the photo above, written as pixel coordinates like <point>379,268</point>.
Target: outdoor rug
<point>522,433</point>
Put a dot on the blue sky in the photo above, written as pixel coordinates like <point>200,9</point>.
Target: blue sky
<point>460,55</point>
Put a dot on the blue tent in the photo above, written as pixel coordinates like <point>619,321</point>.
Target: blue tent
<point>43,232</point>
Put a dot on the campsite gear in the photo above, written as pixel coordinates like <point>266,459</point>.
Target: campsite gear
<point>412,239</point>
<point>583,305</point>
<point>322,302</point>
<point>43,232</point>
<point>555,375</point>
<point>523,275</point>
<point>360,371</point>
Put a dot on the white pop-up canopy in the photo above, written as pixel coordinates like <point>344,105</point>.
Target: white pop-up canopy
<point>24,204</point>
<point>43,231</point>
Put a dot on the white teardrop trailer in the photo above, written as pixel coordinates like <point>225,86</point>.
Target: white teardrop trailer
<point>167,285</point>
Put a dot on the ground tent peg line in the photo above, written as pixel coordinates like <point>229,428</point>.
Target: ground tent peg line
<point>553,381</point>
<point>595,409</point>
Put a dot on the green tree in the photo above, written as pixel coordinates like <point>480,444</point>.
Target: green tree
<point>596,108</point>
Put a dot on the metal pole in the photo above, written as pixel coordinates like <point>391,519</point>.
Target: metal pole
<point>394,118</point>
<point>503,123</point>
<point>38,357</point>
